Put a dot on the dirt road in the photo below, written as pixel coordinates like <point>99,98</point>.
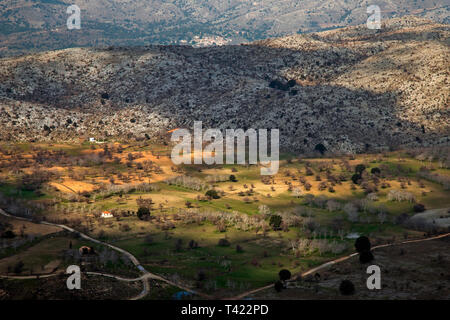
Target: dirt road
<point>148,275</point>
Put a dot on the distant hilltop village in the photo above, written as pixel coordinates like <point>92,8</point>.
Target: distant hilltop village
<point>208,41</point>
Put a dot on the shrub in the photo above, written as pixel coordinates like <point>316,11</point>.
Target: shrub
<point>352,212</point>
<point>419,207</point>
<point>263,209</point>
<point>8,234</point>
<point>402,218</point>
<point>360,169</point>
<point>255,262</point>
<point>201,276</point>
<point>347,288</point>
<point>278,286</point>
<point>221,226</point>
<point>375,171</point>
<point>239,249</point>
<point>143,213</point>
<point>193,244</point>
<point>148,239</point>
<point>365,257</point>
<point>372,196</point>
<point>212,194</point>
<point>291,83</point>
<point>275,221</point>
<point>224,243</point>
<point>284,275</point>
<point>277,84</point>
<point>125,228</point>
<point>178,244</point>
<point>362,244</point>
<point>18,267</point>
<point>321,148</point>
<point>356,178</point>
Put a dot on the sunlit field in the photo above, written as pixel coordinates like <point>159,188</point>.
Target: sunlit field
<point>223,229</point>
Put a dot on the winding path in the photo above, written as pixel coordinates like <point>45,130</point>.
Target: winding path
<point>148,275</point>
<point>330,263</point>
<point>144,278</point>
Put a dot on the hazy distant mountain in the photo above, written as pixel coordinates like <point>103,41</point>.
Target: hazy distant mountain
<point>355,89</point>
<point>41,25</point>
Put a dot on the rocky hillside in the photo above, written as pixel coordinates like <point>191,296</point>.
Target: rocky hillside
<point>36,25</point>
<point>353,89</point>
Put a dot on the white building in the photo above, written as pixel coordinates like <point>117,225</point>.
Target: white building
<point>106,214</point>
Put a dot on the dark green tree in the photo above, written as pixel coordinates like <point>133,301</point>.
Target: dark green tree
<point>375,171</point>
<point>359,169</point>
<point>284,275</point>
<point>275,221</point>
<point>356,178</point>
<point>143,213</point>
<point>212,194</point>
<point>347,288</point>
<point>321,148</point>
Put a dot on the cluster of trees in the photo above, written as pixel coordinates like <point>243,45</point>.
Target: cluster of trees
<point>20,207</point>
<point>6,230</point>
<point>145,203</point>
<point>215,178</point>
<point>304,247</point>
<point>35,180</point>
<point>436,177</point>
<point>422,224</point>
<point>268,180</point>
<point>108,190</point>
<point>222,220</point>
<point>353,208</point>
<point>400,195</point>
<point>440,154</point>
<point>188,182</point>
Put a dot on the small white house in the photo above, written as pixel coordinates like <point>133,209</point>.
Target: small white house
<point>106,214</point>
<point>91,139</point>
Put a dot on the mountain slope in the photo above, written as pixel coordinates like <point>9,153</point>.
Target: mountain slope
<point>356,89</point>
<point>32,25</point>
